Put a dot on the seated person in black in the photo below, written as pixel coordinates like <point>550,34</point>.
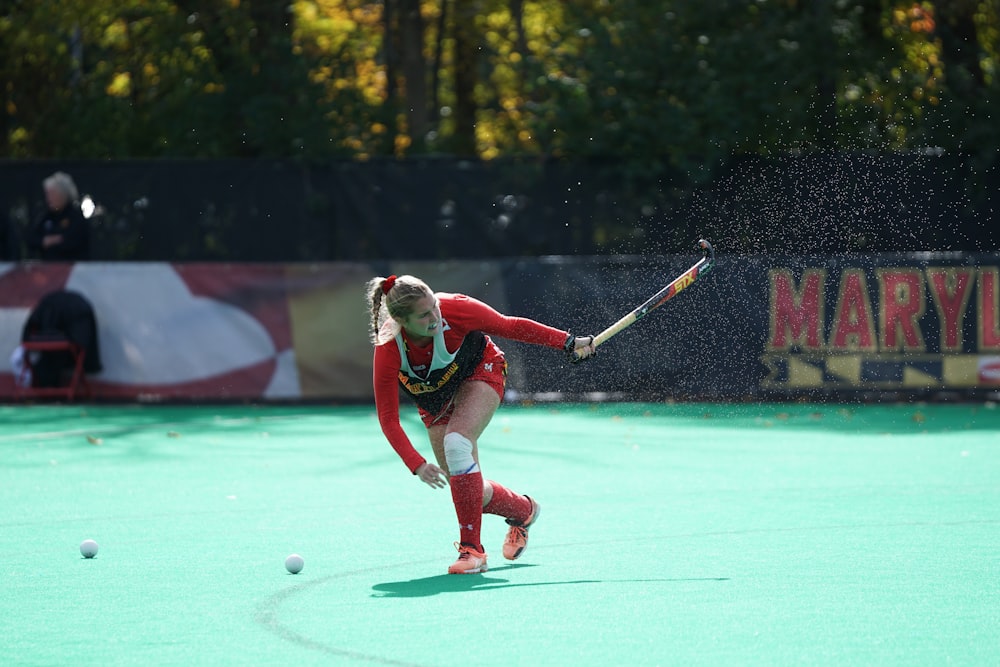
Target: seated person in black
<point>62,315</point>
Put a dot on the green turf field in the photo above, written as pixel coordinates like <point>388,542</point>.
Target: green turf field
<point>688,534</point>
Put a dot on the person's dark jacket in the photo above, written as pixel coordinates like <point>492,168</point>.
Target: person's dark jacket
<point>63,315</point>
<point>74,228</point>
<point>10,243</point>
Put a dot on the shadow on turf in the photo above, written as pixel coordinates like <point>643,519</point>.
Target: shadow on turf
<point>450,583</point>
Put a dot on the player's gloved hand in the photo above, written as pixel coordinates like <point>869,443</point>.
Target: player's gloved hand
<point>432,476</point>
<point>580,347</point>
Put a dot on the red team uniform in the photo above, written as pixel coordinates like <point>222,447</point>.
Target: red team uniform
<point>460,349</point>
<point>465,331</point>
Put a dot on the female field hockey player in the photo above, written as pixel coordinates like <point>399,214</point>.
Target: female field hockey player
<point>437,346</point>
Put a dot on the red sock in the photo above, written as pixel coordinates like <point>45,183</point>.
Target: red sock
<point>467,494</point>
<point>508,504</point>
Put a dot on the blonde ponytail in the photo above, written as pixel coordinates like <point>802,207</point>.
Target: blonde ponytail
<point>391,298</point>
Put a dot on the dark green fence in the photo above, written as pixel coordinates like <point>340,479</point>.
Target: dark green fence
<point>448,208</point>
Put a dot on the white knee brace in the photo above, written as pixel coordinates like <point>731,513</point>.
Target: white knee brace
<point>458,454</point>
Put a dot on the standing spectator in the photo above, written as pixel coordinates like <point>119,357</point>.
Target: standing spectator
<point>62,233</point>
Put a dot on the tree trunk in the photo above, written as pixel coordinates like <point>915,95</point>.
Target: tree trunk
<point>466,40</point>
<point>434,113</point>
<point>389,50</point>
<point>826,87</point>
<point>411,25</point>
<point>956,26</point>
<point>517,14</point>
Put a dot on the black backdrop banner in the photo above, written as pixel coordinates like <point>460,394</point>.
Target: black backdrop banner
<point>910,324</point>
<point>441,209</point>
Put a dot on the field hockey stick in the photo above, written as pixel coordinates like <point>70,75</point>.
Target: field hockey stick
<point>682,281</point>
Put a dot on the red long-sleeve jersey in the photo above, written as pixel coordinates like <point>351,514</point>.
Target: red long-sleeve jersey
<point>463,314</point>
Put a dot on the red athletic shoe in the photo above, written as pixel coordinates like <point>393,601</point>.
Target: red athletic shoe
<point>470,561</point>
<point>517,535</point>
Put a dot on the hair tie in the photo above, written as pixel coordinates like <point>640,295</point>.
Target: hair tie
<point>387,285</point>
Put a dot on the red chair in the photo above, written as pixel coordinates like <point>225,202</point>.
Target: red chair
<point>77,381</point>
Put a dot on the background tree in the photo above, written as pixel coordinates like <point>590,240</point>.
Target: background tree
<point>657,85</point>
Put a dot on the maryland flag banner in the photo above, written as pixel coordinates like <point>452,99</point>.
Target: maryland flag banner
<point>758,327</point>
<point>883,325</point>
